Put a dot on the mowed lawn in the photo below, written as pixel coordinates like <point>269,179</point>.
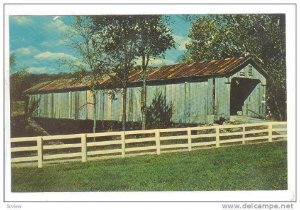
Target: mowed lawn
<point>244,167</point>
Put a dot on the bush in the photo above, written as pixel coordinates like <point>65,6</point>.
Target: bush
<point>159,113</point>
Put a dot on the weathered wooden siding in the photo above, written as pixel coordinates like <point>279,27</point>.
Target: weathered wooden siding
<point>56,107</point>
<point>81,105</point>
<point>190,102</point>
<point>210,101</point>
<point>100,105</point>
<point>133,104</point>
<point>104,106</point>
<point>179,104</point>
<point>245,73</point>
<point>64,110</point>
<point>193,102</point>
<point>255,102</point>
<point>89,105</point>
<point>197,102</point>
<point>222,98</point>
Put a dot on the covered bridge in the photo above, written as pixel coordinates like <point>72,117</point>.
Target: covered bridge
<point>200,93</point>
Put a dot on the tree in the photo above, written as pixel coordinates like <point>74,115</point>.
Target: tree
<point>131,37</point>
<point>12,61</point>
<point>91,62</point>
<point>120,35</point>
<point>262,36</point>
<point>154,38</point>
<point>19,81</point>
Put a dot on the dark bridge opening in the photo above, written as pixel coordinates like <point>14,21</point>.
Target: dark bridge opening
<point>241,88</point>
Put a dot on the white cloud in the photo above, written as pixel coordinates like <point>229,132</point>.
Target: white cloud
<point>156,62</point>
<point>57,25</point>
<point>54,43</point>
<point>52,56</point>
<point>21,20</point>
<point>42,70</point>
<point>180,42</point>
<point>26,51</point>
<point>36,70</point>
<point>160,62</point>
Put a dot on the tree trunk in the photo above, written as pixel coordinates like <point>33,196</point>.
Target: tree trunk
<point>278,109</point>
<point>124,95</point>
<point>143,100</point>
<point>94,113</point>
<point>273,91</point>
<point>26,106</point>
<point>145,60</point>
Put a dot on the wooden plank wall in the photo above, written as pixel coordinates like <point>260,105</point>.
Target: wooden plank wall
<point>197,102</point>
<point>222,98</point>
<point>82,105</point>
<point>189,100</point>
<point>192,101</point>
<point>64,106</point>
<point>89,105</point>
<point>55,105</point>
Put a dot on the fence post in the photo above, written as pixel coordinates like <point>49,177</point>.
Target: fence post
<point>217,136</point>
<point>244,135</point>
<point>189,132</point>
<point>39,143</point>
<point>157,140</point>
<point>123,143</point>
<point>270,132</point>
<point>83,148</point>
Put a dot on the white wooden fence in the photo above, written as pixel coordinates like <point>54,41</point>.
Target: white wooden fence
<point>43,149</point>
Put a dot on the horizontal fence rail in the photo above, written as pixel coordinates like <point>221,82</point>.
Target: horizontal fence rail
<point>106,145</point>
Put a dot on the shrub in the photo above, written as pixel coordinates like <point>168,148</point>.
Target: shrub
<point>159,113</point>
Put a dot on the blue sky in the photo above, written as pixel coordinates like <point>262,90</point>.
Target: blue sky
<point>40,41</point>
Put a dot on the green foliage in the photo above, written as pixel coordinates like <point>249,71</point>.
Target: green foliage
<point>12,61</point>
<point>88,45</point>
<point>245,167</point>
<point>262,36</point>
<point>19,82</point>
<point>127,38</point>
<point>154,38</point>
<point>120,48</point>
<point>159,113</point>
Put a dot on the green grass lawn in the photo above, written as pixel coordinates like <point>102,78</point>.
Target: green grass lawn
<point>245,167</point>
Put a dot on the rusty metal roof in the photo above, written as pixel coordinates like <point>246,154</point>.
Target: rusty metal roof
<point>212,68</point>
<point>63,85</point>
